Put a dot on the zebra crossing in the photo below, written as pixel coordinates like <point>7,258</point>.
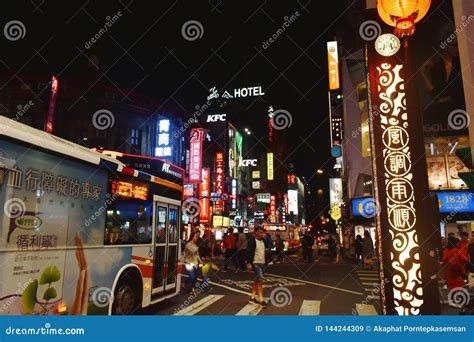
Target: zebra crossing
<point>371,282</point>
<point>307,308</point>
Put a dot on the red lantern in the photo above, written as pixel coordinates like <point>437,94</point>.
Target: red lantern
<point>403,14</point>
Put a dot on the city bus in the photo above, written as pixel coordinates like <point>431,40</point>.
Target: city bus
<point>82,233</point>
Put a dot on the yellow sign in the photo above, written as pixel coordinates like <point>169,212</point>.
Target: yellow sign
<point>270,166</point>
<point>335,212</point>
<point>333,66</point>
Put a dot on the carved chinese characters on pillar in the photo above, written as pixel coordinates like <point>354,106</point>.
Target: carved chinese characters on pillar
<point>398,181</point>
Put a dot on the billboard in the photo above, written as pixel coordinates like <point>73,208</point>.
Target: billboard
<point>335,191</point>
<point>293,201</point>
<point>195,155</point>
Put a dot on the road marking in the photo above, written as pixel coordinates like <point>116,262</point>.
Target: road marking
<point>366,310</point>
<point>317,284</point>
<point>249,310</point>
<point>199,305</point>
<point>310,308</point>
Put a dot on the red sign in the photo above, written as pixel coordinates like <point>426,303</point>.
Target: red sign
<point>204,194</point>
<point>52,105</point>
<point>273,208</point>
<point>291,179</point>
<point>195,155</point>
<point>188,190</point>
<point>220,181</point>
<point>285,196</point>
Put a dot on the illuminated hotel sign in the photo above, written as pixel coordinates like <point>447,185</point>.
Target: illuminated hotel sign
<point>204,194</point>
<point>236,93</point>
<point>333,66</point>
<point>270,166</point>
<point>195,155</point>
<point>164,146</point>
<point>406,234</point>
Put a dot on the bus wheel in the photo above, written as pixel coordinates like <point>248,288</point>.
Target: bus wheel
<point>127,298</point>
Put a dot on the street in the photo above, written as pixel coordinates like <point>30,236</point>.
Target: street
<point>298,288</point>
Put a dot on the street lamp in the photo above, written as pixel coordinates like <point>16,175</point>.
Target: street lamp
<point>319,171</point>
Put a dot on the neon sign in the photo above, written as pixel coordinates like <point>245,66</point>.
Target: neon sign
<point>164,147</point>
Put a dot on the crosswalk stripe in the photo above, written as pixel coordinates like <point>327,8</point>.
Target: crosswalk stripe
<point>366,310</point>
<point>249,310</point>
<point>310,308</point>
<point>199,305</point>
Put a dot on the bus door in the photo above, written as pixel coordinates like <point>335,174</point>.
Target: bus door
<point>166,222</point>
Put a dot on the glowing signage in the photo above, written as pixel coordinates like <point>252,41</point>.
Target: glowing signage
<point>130,190</point>
<point>285,201</point>
<point>236,93</point>
<point>270,166</point>
<point>255,174</point>
<point>291,179</point>
<point>204,194</point>
<point>216,117</point>
<point>255,184</point>
<point>188,190</point>
<point>234,193</point>
<point>387,44</point>
<point>335,191</point>
<point>456,202</point>
<point>333,66</point>
<point>220,181</point>
<point>163,148</point>
<point>273,217</point>
<point>263,198</point>
<point>52,105</point>
<point>293,201</point>
<point>248,162</point>
<point>364,207</point>
<point>217,221</point>
<point>195,155</point>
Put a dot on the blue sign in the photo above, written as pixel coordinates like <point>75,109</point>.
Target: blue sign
<point>455,202</point>
<point>364,207</point>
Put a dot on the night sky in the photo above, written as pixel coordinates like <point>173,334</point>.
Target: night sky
<point>145,50</point>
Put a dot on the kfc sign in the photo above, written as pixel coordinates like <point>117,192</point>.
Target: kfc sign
<point>247,162</point>
<point>216,117</point>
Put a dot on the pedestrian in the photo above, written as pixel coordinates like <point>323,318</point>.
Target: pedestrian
<point>279,247</point>
<point>241,246</point>
<point>230,253</point>
<point>333,247</point>
<point>191,261</point>
<point>257,250</point>
<point>207,267</point>
<point>367,249</point>
<point>455,263</point>
<point>359,246</point>
<point>268,241</point>
<point>307,245</point>
<point>470,267</point>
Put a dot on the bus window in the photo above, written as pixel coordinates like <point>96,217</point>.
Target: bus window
<point>129,222</point>
<point>173,225</point>
<point>161,224</point>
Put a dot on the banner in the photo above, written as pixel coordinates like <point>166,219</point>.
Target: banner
<point>204,192</point>
<point>195,155</point>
